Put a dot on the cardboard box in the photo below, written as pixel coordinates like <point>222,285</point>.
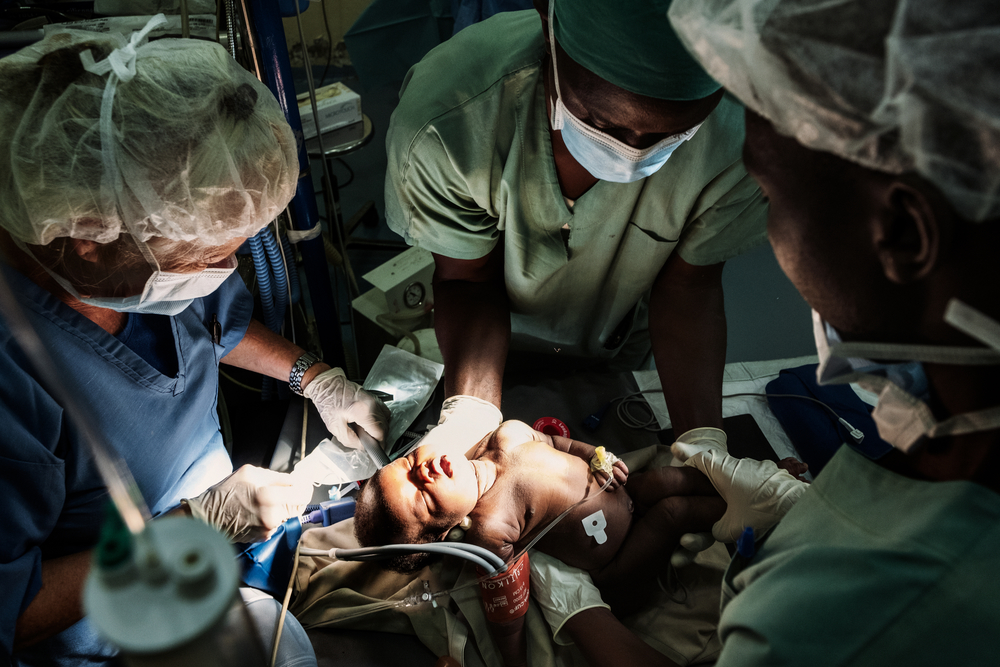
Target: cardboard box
<point>337,105</point>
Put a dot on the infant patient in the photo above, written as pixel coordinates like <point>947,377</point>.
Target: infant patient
<point>514,483</point>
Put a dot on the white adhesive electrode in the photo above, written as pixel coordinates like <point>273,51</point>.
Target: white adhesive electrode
<point>594,526</point>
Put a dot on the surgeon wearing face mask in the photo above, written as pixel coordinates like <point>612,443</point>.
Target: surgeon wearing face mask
<point>872,127</point>
<point>132,172</point>
<point>577,177</point>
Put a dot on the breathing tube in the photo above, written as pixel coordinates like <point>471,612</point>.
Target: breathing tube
<point>270,261</point>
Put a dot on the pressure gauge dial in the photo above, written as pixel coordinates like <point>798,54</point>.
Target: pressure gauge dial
<point>413,294</point>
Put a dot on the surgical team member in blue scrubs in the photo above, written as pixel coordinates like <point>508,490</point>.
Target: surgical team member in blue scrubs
<point>131,172</point>
<point>873,127</point>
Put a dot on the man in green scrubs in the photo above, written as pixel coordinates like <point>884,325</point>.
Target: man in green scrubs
<point>873,127</point>
<point>539,184</point>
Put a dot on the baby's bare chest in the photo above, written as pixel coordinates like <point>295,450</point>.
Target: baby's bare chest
<point>590,535</point>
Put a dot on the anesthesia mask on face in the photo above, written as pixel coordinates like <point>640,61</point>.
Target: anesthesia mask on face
<point>605,157</point>
<point>902,415</point>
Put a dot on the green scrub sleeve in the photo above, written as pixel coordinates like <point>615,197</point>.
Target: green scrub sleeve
<point>430,203</point>
<point>733,225</point>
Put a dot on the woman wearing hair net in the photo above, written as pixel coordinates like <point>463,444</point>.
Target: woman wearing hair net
<point>874,129</point>
<point>131,174</point>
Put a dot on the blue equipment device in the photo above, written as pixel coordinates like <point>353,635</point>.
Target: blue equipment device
<point>267,566</point>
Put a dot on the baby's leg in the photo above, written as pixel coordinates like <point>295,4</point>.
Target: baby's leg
<point>630,579</point>
<point>651,486</point>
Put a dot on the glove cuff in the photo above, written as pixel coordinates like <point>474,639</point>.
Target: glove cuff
<point>561,641</point>
<point>313,386</point>
<point>461,404</point>
<point>194,506</point>
<point>705,435</point>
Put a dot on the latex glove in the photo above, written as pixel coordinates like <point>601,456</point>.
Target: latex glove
<point>757,493</point>
<point>251,503</point>
<point>463,422</point>
<point>341,403</point>
<point>691,545</point>
<point>561,592</point>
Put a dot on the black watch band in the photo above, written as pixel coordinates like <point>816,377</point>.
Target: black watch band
<point>302,364</point>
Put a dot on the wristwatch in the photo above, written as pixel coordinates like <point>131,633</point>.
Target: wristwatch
<point>302,364</point>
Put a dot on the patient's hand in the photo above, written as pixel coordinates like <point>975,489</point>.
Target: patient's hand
<point>794,467</point>
<point>619,473</point>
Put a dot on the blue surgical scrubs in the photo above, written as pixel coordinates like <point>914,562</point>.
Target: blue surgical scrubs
<point>166,429</point>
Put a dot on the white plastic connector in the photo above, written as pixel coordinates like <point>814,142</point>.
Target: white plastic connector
<point>855,434</point>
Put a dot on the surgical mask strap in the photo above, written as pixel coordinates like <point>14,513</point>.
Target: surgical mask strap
<point>552,49</point>
<point>973,323</point>
<point>903,419</point>
<point>962,317</point>
<point>119,66</point>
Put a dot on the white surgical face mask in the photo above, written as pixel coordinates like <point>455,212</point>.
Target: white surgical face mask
<point>164,293</point>
<point>605,157</point>
<point>902,414</point>
<point>167,293</point>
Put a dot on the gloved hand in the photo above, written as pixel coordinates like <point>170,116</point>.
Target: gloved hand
<point>251,503</point>
<point>757,493</point>
<point>341,402</point>
<point>691,545</point>
<point>463,422</point>
<point>561,592</point>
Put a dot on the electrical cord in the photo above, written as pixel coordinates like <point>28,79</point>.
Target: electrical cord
<point>239,384</point>
<point>284,606</point>
<point>389,320</point>
<point>855,433</point>
<point>650,423</point>
<point>627,403</point>
<point>329,43</point>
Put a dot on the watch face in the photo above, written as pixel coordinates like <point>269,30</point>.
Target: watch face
<point>413,295</point>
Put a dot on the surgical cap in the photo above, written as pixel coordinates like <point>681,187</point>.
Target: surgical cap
<point>894,85</point>
<point>631,44</point>
<point>199,149</point>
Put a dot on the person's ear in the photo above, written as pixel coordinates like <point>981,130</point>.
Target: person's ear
<point>908,234</point>
<point>85,249</point>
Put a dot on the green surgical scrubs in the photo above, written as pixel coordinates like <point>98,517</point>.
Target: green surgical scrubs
<point>471,163</point>
<point>870,568</point>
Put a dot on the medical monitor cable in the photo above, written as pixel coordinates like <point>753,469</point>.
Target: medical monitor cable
<point>856,434</point>
<point>650,424</point>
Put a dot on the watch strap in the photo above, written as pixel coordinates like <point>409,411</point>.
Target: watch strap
<point>302,364</point>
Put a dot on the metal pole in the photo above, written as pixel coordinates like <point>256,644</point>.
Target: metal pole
<point>271,51</point>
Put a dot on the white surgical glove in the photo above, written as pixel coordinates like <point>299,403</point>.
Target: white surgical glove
<point>249,504</point>
<point>757,493</point>
<point>691,545</point>
<point>464,421</point>
<point>341,403</point>
<point>561,592</point>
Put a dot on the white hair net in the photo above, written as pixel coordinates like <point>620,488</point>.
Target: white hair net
<point>894,85</point>
<point>193,148</point>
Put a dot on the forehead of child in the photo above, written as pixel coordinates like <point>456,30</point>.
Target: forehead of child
<point>393,488</point>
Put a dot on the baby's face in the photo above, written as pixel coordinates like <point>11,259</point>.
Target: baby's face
<point>433,490</point>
